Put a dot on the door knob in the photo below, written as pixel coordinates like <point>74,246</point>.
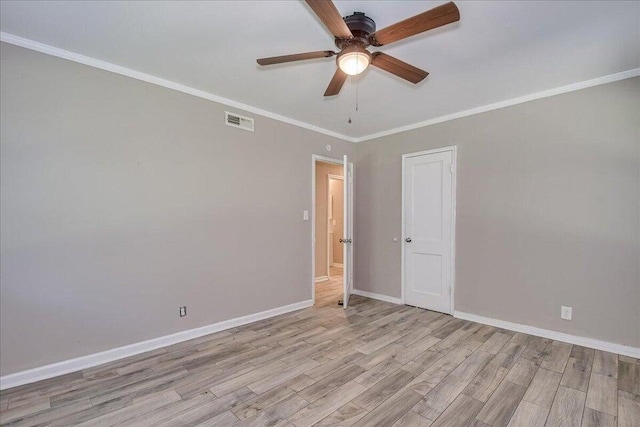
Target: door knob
<point>408,240</point>
<point>342,241</point>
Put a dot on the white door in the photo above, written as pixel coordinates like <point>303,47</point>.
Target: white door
<point>428,229</point>
<point>347,254</point>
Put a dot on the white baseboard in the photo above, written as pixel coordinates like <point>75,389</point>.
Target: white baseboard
<point>546,333</point>
<point>380,297</point>
<point>91,360</point>
<point>337,265</point>
<point>322,279</point>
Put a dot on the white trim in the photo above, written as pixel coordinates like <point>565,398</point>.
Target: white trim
<point>321,279</point>
<point>546,333</point>
<point>635,72</point>
<point>337,265</point>
<point>118,69</point>
<point>454,163</point>
<point>314,159</point>
<point>379,297</point>
<point>84,362</point>
<point>352,214</point>
<point>107,66</point>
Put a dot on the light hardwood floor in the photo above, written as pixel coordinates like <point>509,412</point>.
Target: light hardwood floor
<point>374,364</point>
<point>329,292</point>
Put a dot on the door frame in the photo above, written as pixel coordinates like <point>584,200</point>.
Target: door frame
<point>318,158</point>
<point>454,151</point>
<point>329,178</point>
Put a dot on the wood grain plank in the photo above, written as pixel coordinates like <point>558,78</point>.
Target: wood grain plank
<point>460,413</point>
<point>278,414</point>
<point>629,377</point>
<point>24,410</point>
<point>502,404</point>
<point>576,374</point>
<point>323,407</point>
<point>603,394</point>
<point>412,419</point>
<point>346,415</point>
<point>605,363</point>
<point>529,415</point>
<point>486,382</point>
<point>438,399</point>
<point>384,389</point>
<point>138,409</point>
<point>391,410</point>
<point>567,408</point>
<point>378,372</point>
<point>471,366</point>
<point>328,384</point>
<point>628,409</point>
<point>557,358</point>
<point>494,344</point>
<point>543,388</point>
<point>522,372</point>
<point>259,403</point>
<point>593,418</point>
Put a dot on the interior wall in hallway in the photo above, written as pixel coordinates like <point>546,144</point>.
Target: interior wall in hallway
<point>336,224</point>
<point>323,170</point>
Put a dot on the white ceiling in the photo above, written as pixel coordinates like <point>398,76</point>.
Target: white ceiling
<point>498,51</point>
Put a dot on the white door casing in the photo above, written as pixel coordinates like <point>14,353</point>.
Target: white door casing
<point>348,212</point>
<point>428,229</point>
<point>347,253</point>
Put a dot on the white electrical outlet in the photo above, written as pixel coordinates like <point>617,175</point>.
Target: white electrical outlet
<point>566,312</point>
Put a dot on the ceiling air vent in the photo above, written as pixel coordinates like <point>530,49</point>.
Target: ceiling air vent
<point>237,121</point>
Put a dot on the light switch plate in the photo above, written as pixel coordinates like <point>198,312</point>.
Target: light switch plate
<point>305,215</point>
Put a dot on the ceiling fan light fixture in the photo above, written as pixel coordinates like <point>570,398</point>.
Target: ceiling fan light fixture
<point>354,60</point>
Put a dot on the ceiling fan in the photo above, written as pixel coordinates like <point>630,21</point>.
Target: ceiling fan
<point>354,33</point>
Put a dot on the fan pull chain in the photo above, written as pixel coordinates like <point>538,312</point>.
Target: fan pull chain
<point>357,79</point>
<point>356,97</point>
<point>357,94</point>
<point>352,78</point>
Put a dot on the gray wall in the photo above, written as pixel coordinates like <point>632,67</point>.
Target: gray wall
<point>547,211</point>
<point>122,201</point>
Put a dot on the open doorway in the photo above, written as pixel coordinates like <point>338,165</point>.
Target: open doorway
<point>329,226</point>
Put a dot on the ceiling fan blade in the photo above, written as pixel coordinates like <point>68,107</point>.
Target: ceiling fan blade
<point>295,57</point>
<point>336,83</point>
<point>397,67</point>
<point>330,17</point>
<point>434,18</point>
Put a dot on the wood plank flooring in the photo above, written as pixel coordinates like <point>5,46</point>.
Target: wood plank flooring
<point>374,364</point>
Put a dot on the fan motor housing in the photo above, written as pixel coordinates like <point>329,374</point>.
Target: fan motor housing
<point>361,27</point>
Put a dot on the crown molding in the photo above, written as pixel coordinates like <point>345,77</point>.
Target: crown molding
<point>124,71</point>
<point>508,103</point>
<point>118,69</point>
